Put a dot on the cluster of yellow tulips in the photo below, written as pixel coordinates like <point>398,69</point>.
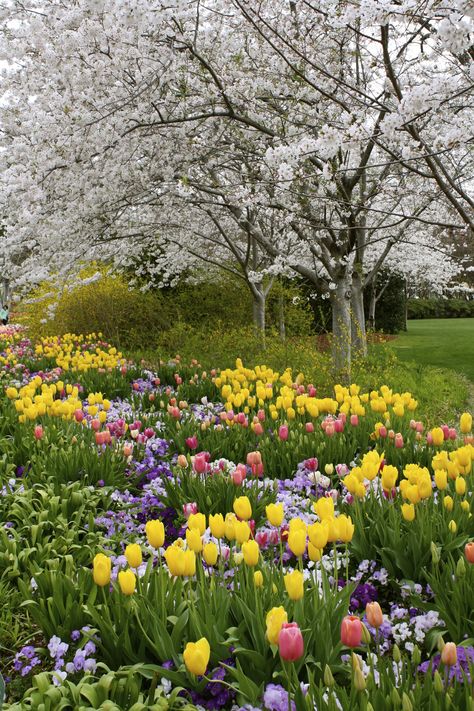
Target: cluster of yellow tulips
<point>286,395</point>
<point>72,352</point>
<point>38,398</point>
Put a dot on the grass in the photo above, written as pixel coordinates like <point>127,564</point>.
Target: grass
<point>444,343</point>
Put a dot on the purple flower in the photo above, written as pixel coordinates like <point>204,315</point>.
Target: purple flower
<point>275,698</point>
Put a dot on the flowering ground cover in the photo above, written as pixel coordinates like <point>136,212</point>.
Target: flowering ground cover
<point>231,539</point>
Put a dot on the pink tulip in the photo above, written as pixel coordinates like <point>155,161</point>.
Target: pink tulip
<point>283,432</point>
<point>351,631</point>
<point>311,391</point>
<point>192,442</point>
<point>241,418</point>
<point>311,464</point>
<point>200,464</point>
<point>399,440</point>
<point>38,432</point>
<point>419,427</point>
<point>189,509</point>
<point>262,538</point>
<point>452,433</point>
<point>78,415</point>
<point>156,382</point>
<point>258,429</point>
<point>149,432</point>
<point>338,426</point>
<point>254,458</point>
<point>290,642</point>
<point>128,450</point>
<point>239,474</point>
<point>99,438</point>
<point>354,420</point>
<point>429,438</point>
<point>230,415</point>
<point>309,427</point>
<point>95,424</point>
<point>330,429</point>
<point>383,432</point>
<point>261,415</point>
<point>343,417</point>
<point>445,429</point>
<point>257,469</point>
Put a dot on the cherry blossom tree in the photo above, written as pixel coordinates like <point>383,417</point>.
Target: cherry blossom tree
<point>113,109</point>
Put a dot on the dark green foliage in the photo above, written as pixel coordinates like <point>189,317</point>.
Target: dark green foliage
<point>440,308</point>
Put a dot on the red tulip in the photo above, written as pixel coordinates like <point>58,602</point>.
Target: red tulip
<point>290,642</point>
<point>351,631</point>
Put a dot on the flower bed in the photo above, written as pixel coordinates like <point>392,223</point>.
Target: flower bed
<point>226,540</point>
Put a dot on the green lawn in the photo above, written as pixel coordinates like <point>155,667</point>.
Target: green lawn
<point>447,343</point>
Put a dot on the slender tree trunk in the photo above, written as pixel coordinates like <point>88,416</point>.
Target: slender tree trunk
<point>258,310</point>
<point>281,316</point>
<point>341,327</point>
<point>358,330</point>
<point>372,305</point>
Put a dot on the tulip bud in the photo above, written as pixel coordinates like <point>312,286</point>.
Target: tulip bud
<point>396,700</point>
<point>406,703</point>
<point>374,614</point>
<point>359,680</point>
<point>469,552</point>
<point>435,556</point>
<point>328,677</point>
<point>396,654</point>
<point>440,644</point>
<point>366,638</point>
<point>438,682</point>
<point>416,655</point>
<point>460,568</point>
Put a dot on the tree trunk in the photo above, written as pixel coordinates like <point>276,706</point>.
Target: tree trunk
<point>281,316</point>
<point>258,310</point>
<point>358,330</point>
<point>341,327</point>
<point>372,305</point>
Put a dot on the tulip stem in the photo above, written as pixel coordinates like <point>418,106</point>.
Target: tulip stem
<point>288,680</point>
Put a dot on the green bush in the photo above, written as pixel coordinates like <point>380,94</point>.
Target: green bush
<point>440,308</point>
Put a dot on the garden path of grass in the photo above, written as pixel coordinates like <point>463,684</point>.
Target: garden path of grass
<point>446,343</point>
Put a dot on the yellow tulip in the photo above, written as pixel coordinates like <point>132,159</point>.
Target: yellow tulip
<point>465,422</point>
<point>297,542</point>
<point>196,656</point>
<point>389,477</point>
<point>465,505</point>
<point>174,557</point>
<point>127,581</point>
<point>243,508</point>
<point>314,553</point>
<point>441,479</point>
<point>324,507</point>
<point>408,512</point>
<point>155,533</point>
<point>333,529</point>
<point>133,554</point>
<point>230,521</point>
<point>241,531</point>
<point>448,503</point>
<point>197,520</point>
<point>194,540</point>
<point>345,528</point>
<point>275,514</point>
<point>438,436</point>
<point>460,486</point>
<point>258,578</point>
<point>210,553</point>
<point>274,620</point>
<point>297,524</point>
<point>102,566</point>
<point>318,534</point>
<point>189,558</point>
<point>251,552</point>
<point>294,584</point>
<point>217,525</point>
<point>452,525</point>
